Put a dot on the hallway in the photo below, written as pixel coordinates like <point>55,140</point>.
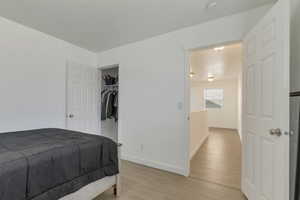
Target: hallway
<point>219,159</point>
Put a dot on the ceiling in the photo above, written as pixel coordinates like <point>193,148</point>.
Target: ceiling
<point>223,64</point>
<point>99,25</point>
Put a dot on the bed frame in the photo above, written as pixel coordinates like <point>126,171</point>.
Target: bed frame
<point>96,188</point>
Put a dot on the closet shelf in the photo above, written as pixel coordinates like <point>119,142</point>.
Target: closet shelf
<point>111,85</point>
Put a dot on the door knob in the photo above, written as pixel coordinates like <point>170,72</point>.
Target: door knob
<point>276,132</point>
<point>71,116</point>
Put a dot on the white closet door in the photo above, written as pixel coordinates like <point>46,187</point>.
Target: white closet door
<point>266,107</point>
<point>83,97</point>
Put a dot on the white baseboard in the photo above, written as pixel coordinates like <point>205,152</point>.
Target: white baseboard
<point>228,128</point>
<point>199,145</point>
<point>154,164</point>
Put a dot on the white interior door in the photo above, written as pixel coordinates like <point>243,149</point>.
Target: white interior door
<point>266,107</point>
<point>83,97</point>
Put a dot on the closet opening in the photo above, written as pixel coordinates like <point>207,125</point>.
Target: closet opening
<point>109,106</point>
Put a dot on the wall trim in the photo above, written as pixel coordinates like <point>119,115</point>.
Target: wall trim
<point>155,164</point>
<point>229,129</point>
<point>198,147</point>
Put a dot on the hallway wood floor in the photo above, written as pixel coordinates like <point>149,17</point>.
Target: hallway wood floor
<point>219,159</point>
<point>143,183</point>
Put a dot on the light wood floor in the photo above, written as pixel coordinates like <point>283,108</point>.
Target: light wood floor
<point>143,183</point>
<point>219,159</point>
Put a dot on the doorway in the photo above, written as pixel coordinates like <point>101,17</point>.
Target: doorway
<point>215,114</point>
<point>109,103</point>
<point>265,107</point>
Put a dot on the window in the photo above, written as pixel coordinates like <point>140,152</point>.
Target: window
<point>213,98</point>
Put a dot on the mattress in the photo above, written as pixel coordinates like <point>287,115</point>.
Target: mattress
<point>47,164</point>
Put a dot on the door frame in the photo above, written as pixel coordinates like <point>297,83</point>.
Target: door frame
<point>186,100</point>
<point>103,67</point>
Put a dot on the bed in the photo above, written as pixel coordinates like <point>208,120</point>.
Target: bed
<point>52,164</point>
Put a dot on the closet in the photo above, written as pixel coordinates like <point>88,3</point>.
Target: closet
<point>109,110</point>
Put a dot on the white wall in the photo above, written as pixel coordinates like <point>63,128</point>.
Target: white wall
<point>240,103</point>
<point>152,85</point>
<point>197,101</point>
<point>32,77</point>
<point>225,117</point>
<point>198,131</point>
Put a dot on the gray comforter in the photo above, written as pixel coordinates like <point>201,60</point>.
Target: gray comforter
<point>48,164</point>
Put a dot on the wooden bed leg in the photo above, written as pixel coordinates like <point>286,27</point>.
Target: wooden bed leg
<point>117,186</point>
<point>115,190</point>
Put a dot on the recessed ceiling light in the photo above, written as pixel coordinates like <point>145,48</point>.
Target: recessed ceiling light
<point>211,5</point>
<point>192,74</point>
<point>210,77</point>
<point>219,48</point>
